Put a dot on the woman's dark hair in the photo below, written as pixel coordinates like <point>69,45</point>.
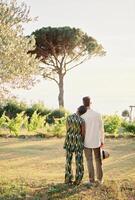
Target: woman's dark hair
<point>86,101</point>
<point>81,110</point>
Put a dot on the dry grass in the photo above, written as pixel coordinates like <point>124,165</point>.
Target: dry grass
<point>39,165</point>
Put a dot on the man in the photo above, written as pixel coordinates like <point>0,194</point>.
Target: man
<point>75,126</point>
<point>94,140</point>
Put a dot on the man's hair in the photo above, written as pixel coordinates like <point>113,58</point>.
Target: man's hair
<point>81,110</point>
<point>86,101</point>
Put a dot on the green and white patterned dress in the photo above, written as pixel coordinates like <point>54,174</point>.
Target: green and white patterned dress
<point>74,144</point>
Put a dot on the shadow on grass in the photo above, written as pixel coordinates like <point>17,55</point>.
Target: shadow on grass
<point>112,190</point>
<point>60,191</point>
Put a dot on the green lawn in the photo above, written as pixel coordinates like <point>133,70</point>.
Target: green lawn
<point>34,169</point>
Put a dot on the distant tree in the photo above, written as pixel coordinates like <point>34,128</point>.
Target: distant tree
<point>17,67</point>
<point>62,49</point>
<point>125,113</point>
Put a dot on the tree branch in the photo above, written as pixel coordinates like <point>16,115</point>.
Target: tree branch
<point>53,52</point>
<point>62,60</point>
<point>48,64</point>
<point>77,64</point>
<point>42,52</point>
<point>44,55</point>
<point>51,60</point>
<point>51,78</point>
<point>76,57</point>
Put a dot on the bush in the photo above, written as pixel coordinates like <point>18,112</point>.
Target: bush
<point>36,121</point>
<point>15,124</point>
<point>13,107</point>
<point>39,108</point>
<point>129,127</point>
<point>112,123</point>
<point>3,120</point>
<point>56,114</point>
<point>1,110</point>
<point>57,129</point>
<point>50,119</point>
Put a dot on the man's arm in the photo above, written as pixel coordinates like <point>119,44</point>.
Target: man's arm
<point>101,127</point>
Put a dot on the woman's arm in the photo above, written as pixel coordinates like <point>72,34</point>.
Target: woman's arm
<point>83,129</point>
<point>67,125</point>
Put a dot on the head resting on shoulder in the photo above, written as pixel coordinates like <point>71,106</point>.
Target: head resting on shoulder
<point>81,110</point>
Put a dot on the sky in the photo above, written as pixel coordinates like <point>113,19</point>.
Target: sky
<point>108,80</point>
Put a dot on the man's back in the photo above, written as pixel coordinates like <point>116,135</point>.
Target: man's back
<point>94,139</point>
<point>94,129</point>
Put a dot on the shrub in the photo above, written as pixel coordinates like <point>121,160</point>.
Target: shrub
<point>56,114</point>
<point>58,128</point>
<point>39,108</point>
<point>1,110</point>
<point>50,119</point>
<point>3,120</point>
<point>15,124</point>
<point>36,121</point>
<point>29,112</point>
<point>129,127</point>
<point>13,107</point>
<point>112,123</point>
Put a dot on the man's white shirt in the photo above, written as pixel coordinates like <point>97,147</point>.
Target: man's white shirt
<point>94,134</point>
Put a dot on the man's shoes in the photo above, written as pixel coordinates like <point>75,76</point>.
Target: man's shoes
<point>100,182</point>
<point>89,184</point>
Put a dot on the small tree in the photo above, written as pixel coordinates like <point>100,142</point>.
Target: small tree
<point>62,49</point>
<point>17,67</point>
<point>125,114</point>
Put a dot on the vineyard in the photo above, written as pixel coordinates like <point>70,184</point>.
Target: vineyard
<point>17,119</point>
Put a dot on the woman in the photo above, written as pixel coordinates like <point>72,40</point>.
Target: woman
<point>75,126</point>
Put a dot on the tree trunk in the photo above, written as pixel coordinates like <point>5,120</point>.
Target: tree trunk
<point>61,91</point>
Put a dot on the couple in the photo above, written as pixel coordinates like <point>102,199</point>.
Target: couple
<point>84,132</point>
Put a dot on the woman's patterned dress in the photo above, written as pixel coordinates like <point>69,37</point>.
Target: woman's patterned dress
<point>74,144</point>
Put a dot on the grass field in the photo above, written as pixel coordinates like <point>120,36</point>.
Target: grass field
<point>34,169</point>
